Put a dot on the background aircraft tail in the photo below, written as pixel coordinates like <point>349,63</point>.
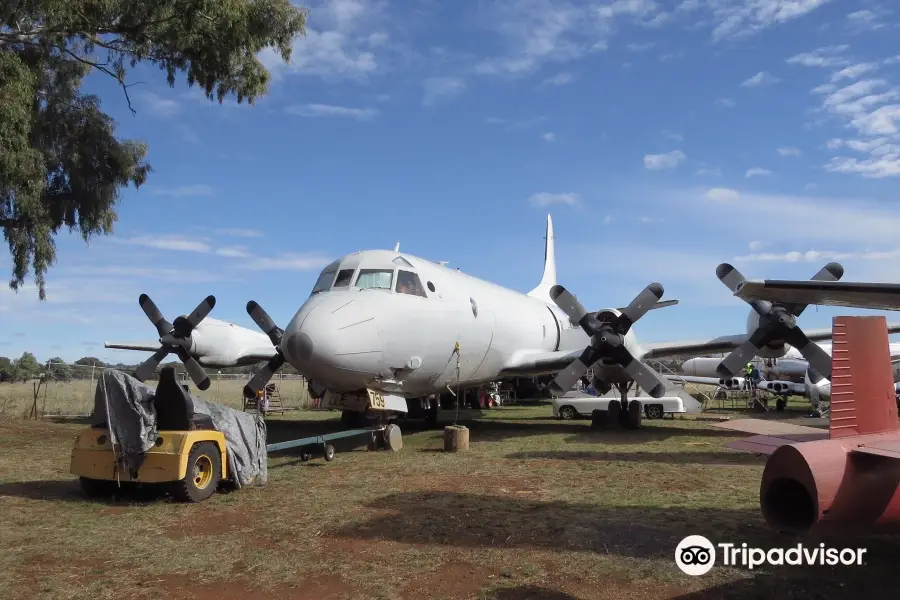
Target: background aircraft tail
<point>542,291</point>
<point>863,400</point>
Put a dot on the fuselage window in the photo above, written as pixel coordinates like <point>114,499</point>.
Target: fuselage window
<point>343,278</point>
<point>408,283</point>
<point>323,283</point>
<point>474,307</point>
<point>374,279</point>
<point>430,287</point>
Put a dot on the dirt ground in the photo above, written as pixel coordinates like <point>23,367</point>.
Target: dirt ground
<point>536,509</point>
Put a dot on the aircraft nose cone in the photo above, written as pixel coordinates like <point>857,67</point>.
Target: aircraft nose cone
<point>335,342</point>
<point>299,347</point>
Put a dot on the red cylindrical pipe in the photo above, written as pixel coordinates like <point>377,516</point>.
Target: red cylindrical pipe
<point>822,486</point>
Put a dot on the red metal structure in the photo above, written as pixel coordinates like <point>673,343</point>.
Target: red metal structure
<point>848,478</point>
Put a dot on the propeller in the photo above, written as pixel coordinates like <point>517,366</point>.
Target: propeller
<point>264,322</point>
<point>777,321</point>
<point>175,338</point>
<point>607,332</point>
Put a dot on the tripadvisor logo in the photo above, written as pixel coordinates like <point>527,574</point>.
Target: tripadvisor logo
<point>696,555</point>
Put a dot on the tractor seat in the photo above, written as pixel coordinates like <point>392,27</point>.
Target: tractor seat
<point>174,407</point>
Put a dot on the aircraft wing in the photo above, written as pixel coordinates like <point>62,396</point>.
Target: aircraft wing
<point>770,434</point>
<point>142,346</point>
<point>877,296</point>
<point>727,343</point>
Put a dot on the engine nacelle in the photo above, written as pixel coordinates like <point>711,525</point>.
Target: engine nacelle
<point>822,485</point>
<point>732,383</point>
<point>774,349</point>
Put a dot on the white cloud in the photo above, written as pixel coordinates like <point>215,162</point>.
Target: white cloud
<point>233,252</point>
<point>869,106</point>
<point>854,71</point>
<point>642,47</point>
<point>156,104</point>
<point>559,79</point>
<point>740,19</point>
<point>288,262</point>
<point>827,56</point>
<point>549,137</point>
<point>867,20</point>
<point>199,189</point>
<point>341,41</point>
<point>669,160</point>
<point>789,151</point>
<point>756,245</point>
<point>707,170</point>
<point>329,110</point>
<point>538,32</point>
<point>757,172</point>
<point>726,102</point>
<point>238,232</point>
<point>672,135</point>
<point>548,199</point>
<point>168,242</point>
<point>441,89</point>
<point>726,195</point>
<point>762,78</point>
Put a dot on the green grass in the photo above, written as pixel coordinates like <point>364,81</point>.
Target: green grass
<point>536,509</point>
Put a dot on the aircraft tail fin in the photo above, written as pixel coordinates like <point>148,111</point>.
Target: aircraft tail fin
<point>863,400</point>
<point>548,280</point>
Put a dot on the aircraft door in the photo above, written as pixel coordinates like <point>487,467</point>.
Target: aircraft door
<point>476,337</point>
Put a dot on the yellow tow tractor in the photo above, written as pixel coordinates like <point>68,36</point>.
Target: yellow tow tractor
<point>189,454</point>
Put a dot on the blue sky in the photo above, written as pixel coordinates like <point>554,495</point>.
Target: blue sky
<point>663,137</point>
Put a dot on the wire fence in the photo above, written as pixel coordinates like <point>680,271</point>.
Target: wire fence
<point>67,389</point>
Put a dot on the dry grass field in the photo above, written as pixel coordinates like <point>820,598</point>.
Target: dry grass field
<point>76,397</point>
<point>536,509</point>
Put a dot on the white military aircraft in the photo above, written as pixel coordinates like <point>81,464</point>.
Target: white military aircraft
<point>389,332</point>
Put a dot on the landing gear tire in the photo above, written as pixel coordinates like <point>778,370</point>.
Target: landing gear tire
<point>204,471</point>
<point>780,404</point>
<point>567,413</point>
<point>305,456</point>
<point>328,453</point>
<point>598,418</point>
<point>613,412</point>
<point>653,411</point>
<point>632,417</point>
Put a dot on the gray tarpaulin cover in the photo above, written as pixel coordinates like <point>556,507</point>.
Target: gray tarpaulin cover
<point>126,405</point>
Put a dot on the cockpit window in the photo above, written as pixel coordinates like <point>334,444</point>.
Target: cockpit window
<point>408,283</point>
<point>374,279</point>
<point>343,278</point>
<point>323,283</point>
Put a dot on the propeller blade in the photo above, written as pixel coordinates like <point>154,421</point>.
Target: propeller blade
<point>163,327</point>
<point>203,309</point>
<point>146,369</point>
<point>568,303</point>
<point>814,377</point>
<point>645,377</point>
<point>641,305</point>
<point>730,276</point>
<point>263,376</point>
<point>831,272</point>
<point>265,322</point>
<point>565,379</point>
<point>198,375</point>
<point>818,359</point>
<point>740,356</point>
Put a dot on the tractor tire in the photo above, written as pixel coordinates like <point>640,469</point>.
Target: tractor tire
<point>204,472</point>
